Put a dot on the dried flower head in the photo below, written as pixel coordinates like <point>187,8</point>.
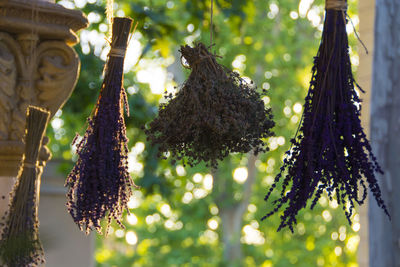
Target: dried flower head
<point>215,112</point>
<point>20,244</point>
<point>99,185</point>
<point>330,151</point>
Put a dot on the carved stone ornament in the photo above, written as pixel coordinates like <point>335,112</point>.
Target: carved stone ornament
<point>37,67</point>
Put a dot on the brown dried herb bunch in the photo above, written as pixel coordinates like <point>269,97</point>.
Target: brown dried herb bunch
<point>215,112</point>
<point>20,244</point>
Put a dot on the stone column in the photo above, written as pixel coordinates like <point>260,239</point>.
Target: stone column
<point>38,66</point>
<point>366,10</point>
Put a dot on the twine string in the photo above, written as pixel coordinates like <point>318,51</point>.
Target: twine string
<point>109,15</point>
<point>211,22</point>
<point>356,34</point>
<point>339,5</point>
<point>117,52</point>
<point>30,165</point>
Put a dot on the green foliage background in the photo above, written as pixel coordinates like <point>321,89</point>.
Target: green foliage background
<point>267,40</point>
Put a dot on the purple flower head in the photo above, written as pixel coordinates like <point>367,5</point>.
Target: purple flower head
<point>330,152</point>
<point>99,185</point>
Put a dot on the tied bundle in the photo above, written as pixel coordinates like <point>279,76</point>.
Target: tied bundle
<point>20,244</point>
<point>99,185</point>
<point>330,151</point>
<point>216,112</point>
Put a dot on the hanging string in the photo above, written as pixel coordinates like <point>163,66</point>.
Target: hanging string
<point>356,34</point>
<point>33,38</point>
<point>109,15</point>
<point>341,5</point>
<point>211,22</point>
<point>338,5</point>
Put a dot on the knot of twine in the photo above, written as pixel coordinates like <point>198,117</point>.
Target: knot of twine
<point>200,59</point>
<point>339,5</point>
<point>30,165</point>
<point>117,52</point>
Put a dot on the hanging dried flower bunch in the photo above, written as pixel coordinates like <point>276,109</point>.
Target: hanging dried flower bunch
<point>215,112</point>
<point>99,185</point>
<point>20,244</point>
<point>330,151</point>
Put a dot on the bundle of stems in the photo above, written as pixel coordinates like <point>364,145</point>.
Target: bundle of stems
<point>330,151</point>
<point>99,185</point>
<point>214,113</point>
<point>20,244</point>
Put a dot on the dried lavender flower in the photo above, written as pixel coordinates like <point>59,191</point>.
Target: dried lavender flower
<point>20,244</point>
<point>330,151</point>
<point>99,185</point>
<point>215,112</point>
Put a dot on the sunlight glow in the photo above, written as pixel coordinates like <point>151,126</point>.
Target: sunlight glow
<point>301,229</point>
<point>252,236</point>
<point>209,237</point>
<point>131,238</point>
<point>133,52</point>
<point>214,210</point>
<point>189,186</point>
<point>119,233</point>
<point>273,144</point>
<point>197,178</point>
<point>333,204</point>
<point>294,119</point>
<point>212,224</point>
<point>338,251</point>
<point>352,243</point>
<point>187,197</point>
<point>304,6</point>
<point>294,15</point>
<point>199,193</point>
<point>166,210</point>
<point>169,224</point>
<point>180,170</point>
<point>239,63</point>
<point>252,208</point>
<point>132,219</point>
<point>208,182</point>
<point>297,108</point>
<point>57,123</point>
<point>133,203</point>
<point>356,227</point>
<point>155,76</point>
<point>287,111</point>
<point>314,17</point>
<point>138,148</point>
<point>334,236</point>
<point>240,175</point>
<point>134,167</point>
<point>281,141</point>
<point>327,215</point>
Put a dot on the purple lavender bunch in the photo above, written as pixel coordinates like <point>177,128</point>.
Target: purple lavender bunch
<point>330,151</point>
<point>99,185</point>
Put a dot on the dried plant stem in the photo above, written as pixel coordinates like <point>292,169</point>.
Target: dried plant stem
<point>20,244</point>
<point>330,152</point>
<point>214,113</point>
<point>99,185</point>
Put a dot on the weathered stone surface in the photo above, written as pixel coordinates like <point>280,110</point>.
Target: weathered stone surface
<point>37,67</point>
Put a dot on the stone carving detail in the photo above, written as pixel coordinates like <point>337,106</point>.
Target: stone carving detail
<point>8,76</point>
<point>37,67</point>
<point>32,72</point>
